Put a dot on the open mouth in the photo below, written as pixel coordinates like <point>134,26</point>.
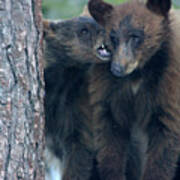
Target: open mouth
<point>103,53</point>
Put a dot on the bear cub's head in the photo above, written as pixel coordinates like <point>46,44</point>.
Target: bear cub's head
<point>79,39</point>
<point>135,31</point>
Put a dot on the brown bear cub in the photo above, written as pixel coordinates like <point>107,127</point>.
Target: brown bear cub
<point>136,96</point>
<point>70,47</point>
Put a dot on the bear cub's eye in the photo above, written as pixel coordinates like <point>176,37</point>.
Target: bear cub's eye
<point>114,40</point>
<point>84,31</point>
<point>135,38</point>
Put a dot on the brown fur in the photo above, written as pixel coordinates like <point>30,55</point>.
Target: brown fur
<point>70,47</point>
<point>137,115</point>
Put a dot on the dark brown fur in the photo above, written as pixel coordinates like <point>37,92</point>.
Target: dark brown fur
<point>70,47</point>
<point>136,111</point>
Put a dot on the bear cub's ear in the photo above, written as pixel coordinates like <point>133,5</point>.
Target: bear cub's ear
<point>100,10</point>
<point>161,7</point>
<point>46,27</point>
<point>50,27</point>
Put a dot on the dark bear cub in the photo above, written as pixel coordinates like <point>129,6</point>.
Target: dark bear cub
<point>70,47</point>
<point>136,96</point>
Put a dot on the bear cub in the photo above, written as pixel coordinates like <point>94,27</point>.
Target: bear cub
<point>70,47</point>
<point>136,105</point>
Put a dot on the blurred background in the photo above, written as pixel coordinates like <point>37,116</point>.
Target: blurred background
<point>63,9</point>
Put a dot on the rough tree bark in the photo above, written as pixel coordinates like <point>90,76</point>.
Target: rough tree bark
<point>21,90</point>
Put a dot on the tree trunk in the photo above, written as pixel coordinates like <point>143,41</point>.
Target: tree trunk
<point>21,90</point>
